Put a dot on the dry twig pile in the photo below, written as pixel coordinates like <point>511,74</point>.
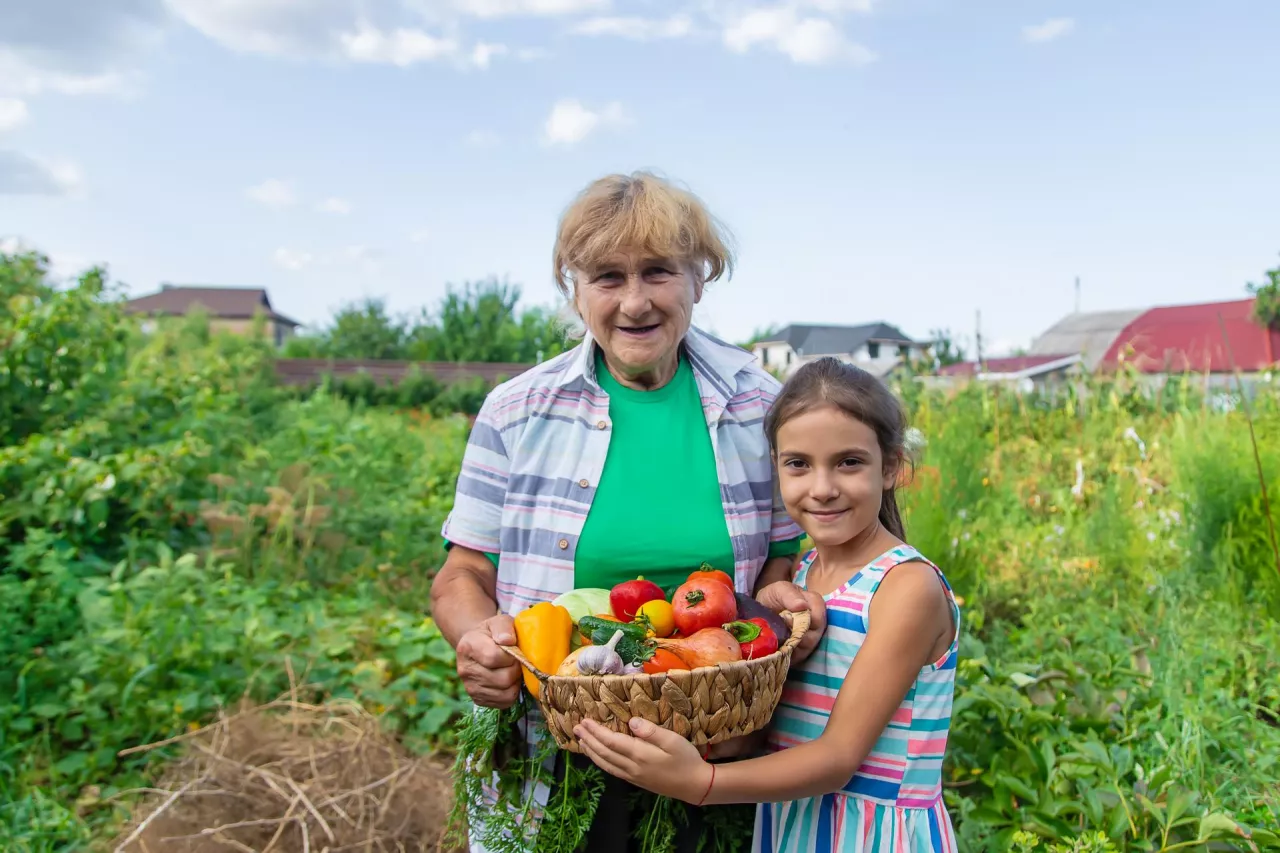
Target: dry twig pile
<point>290,777</point>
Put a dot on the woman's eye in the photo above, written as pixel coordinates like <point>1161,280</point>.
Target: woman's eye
<point>657,272</point>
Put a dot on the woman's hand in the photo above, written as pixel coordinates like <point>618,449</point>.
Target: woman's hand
<point>785,595</point>
<point>490,675</point>
<point>655,759</point>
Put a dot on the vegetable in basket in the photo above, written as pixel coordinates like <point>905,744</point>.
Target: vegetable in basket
<point>633,647</point>
<point>755,638</point>
<point>543,633</point>
<point>626,598</point>
<point>584,602</point>
<point>702,604</point>
<point>707,647</point>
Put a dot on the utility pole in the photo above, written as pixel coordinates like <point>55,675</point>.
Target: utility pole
<point>1077,294</point>
<point>977,338</point>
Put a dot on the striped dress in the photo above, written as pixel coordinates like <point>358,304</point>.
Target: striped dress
<point>893,803</point>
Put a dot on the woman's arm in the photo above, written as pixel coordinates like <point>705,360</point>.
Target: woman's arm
<point>463,603</point>
<point>910,619</point>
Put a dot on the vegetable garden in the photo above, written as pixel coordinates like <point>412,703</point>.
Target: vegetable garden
<point>178,536</point>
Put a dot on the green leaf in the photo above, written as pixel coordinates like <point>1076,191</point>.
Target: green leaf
<point>1217,824</point>
<point>1017,786</point>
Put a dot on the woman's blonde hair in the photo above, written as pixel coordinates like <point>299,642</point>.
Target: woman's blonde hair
<point>640,212</point>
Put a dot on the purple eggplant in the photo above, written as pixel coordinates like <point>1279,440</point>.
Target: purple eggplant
<point>749,608</point>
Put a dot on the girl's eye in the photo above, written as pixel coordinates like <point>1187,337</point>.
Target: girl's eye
<point>851,462</point>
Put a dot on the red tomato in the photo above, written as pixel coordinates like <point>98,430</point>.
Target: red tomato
<point>711,575</point>
<point>703,604</point>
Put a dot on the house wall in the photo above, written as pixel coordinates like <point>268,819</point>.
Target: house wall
<point>775,356</point>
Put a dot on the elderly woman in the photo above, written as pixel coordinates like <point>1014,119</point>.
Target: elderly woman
<point>639,452</point>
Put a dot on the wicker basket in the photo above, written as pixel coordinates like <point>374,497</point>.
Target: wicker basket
<point>707,705</point>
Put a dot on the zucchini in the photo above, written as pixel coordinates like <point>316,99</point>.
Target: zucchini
<point>633,646</point>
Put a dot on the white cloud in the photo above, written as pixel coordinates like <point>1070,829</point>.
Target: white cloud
<point>483,139</point>
<point>273,193</point>
<point>291,259</point>
<point>419,235</point>
<point>1054,28</point>
<point>25,78</point>
<point>835,7</point>
<point>571,122</point>
<point>511,8</point>
<point>483,52</point>
<point>21,174</point>
<point>636,28</point>
<point>806,40</point>
<point>334,205</point>
<point>402,47</point>
<point>13,113</point>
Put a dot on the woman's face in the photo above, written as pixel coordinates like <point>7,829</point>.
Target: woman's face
<point>638,308</point>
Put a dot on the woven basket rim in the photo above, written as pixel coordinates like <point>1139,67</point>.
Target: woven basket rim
<point>800,621</point>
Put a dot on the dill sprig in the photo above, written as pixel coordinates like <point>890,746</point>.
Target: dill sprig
<point>489,743</point>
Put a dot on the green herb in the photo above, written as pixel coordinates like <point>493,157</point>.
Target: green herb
<point>489,741</point>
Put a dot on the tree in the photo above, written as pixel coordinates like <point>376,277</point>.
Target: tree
<point>477,322</point>
<point>1266,299</point>
<point>945,349</point>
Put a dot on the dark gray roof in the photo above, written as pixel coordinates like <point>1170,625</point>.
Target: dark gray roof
<point>808,339</point>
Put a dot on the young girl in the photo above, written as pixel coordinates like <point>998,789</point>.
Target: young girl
<point>858,737</point>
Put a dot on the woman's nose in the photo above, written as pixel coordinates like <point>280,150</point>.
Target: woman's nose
<point>635,298</point>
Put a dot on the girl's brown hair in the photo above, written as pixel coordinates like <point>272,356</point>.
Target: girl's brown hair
<point>860,395</point>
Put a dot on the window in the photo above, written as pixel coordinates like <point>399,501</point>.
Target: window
<point>764,356</point>
<point>904,350</point>
<point>873,350</point>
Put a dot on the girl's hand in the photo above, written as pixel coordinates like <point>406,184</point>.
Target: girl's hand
<point>655,759</point>
<point>785,595</point>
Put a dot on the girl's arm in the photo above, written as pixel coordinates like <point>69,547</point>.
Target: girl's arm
<point>909,619</point>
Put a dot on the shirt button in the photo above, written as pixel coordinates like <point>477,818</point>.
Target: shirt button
<point>582,483</point>
<point>564,543</point>
<point>601,425</point>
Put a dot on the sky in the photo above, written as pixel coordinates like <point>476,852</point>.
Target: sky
<point>933,164</point>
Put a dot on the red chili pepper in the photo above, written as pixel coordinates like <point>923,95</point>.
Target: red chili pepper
<point>755,638</point>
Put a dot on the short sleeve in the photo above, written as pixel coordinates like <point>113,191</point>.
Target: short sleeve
<point>475,521</point>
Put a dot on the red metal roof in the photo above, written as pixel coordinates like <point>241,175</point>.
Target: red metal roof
<point>1189,338</point>
<point>1012,364</point>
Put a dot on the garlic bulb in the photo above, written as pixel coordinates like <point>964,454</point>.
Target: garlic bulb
<point>601,660</point>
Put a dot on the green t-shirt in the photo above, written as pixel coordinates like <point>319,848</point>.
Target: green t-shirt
<point>657,510</point>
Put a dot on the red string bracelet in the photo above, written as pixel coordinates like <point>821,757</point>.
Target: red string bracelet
<point>709,784</point>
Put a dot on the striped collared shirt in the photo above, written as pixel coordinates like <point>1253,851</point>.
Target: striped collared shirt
<point>539,445</point>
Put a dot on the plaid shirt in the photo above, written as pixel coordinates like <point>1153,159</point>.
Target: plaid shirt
<point>539,445</point>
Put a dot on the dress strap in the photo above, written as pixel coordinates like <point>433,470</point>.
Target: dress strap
<point>802,570</point>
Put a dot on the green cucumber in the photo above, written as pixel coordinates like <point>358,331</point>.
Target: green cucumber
<point>633,646</point>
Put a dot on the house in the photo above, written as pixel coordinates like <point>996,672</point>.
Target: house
<point>230,309</point>
<point>1158,342</point>
<point>1024,372</point>
<point>876,347</point>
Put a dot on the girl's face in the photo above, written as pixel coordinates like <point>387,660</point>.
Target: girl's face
<point>831,475</point>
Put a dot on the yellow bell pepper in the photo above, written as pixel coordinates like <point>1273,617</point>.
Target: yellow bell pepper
<point>543,632</point>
